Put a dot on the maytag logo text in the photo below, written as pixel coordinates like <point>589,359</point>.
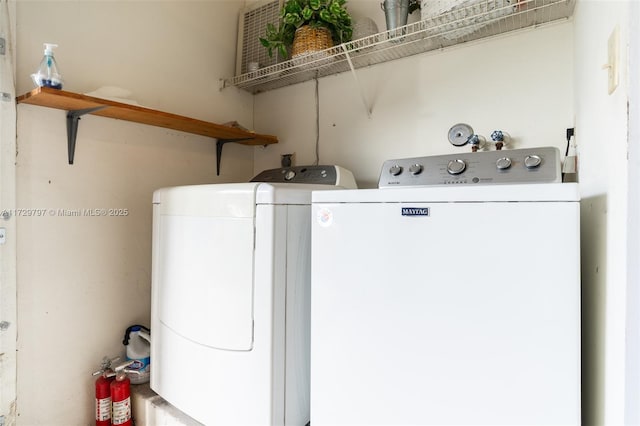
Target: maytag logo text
<point>415,211</point>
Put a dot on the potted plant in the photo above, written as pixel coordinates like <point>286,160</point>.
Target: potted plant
<point>303,20</point>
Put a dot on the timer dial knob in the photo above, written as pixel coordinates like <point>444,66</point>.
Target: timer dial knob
<point>290,174</point>
<point>416,169</point>
<point>395,170</point>
<point>455,167</point>
<point>532,161</point>
<point>503,163</point>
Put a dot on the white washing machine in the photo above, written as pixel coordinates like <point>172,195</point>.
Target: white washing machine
<point>230,296</point>
<point>450,295</point>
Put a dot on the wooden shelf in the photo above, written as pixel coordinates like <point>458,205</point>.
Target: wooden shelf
<point>77,105</point>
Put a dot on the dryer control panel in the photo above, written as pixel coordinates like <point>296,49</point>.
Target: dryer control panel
<point>318,175</point>
<point>531,165</point>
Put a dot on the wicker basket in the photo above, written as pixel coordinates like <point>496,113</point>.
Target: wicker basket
<point>309,40</point>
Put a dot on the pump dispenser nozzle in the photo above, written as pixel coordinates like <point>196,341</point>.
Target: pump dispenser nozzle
<point>48,74</point>
<point>48,48</point>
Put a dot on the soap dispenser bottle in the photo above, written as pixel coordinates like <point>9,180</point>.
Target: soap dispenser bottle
<point>48,74</point>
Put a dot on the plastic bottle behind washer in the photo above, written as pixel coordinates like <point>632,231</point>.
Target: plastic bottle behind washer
<point>137,340</point>
<point>47,74</point>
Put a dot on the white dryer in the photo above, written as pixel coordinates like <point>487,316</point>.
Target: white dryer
<point>231,294</point>
<point>448,296</point>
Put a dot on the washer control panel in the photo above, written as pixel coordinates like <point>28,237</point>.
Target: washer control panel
<point>531,165</point>
<point>323,175</point>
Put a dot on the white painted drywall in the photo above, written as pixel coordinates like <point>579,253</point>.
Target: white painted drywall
<point>601,134</point>
<point>8,313</point>
<point>632,362</point>
<point>83,280</point>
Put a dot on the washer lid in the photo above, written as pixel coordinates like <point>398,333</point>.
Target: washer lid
<point>214,200</point>
<point>287,193</point>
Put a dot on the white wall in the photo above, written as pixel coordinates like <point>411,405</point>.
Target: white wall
<point>8,312</point>
<point>83,280</point>
<point>632,362</point>
<point>601,133</point>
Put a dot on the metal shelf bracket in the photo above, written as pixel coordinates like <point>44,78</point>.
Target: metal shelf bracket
<point>219,144</point>
<point>73,117</point>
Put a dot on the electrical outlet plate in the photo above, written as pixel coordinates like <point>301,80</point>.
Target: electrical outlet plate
<point>613,54</point>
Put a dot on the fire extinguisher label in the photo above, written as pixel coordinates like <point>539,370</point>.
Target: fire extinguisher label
<point>121,411</point>
<point>103,409</point>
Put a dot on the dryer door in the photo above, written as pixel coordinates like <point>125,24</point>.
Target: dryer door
<point>205,274</point>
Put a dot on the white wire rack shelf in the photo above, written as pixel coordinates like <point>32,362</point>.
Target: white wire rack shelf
<point>472,21</point>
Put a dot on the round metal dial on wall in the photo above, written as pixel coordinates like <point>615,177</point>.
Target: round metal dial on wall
<point>459,134</point>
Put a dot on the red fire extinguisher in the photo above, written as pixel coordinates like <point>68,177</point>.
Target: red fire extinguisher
<point>121,396</point>
<point>103,392</point>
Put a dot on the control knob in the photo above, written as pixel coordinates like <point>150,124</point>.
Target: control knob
<point>455,167</point>
<point>395,170</point>
<point>503,163</point>
<point>290,174</point>
<point>416,169</point>
<point>532,161</point>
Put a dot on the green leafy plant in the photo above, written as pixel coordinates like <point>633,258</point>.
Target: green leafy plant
<point>331,14</point>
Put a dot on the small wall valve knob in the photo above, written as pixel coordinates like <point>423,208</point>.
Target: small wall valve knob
<point>497,136</point>
<point>476,142</point>
<point>459,134</point>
